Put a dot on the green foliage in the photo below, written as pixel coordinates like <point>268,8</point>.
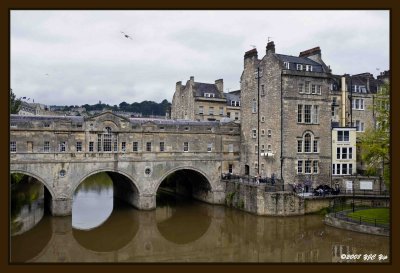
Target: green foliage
<point>375,143</point>
<point>14,103</point>
<point>16,178</point>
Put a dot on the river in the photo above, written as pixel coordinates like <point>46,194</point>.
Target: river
<point>102,229</point>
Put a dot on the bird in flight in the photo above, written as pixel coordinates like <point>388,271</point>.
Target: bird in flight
<point>126,35</point>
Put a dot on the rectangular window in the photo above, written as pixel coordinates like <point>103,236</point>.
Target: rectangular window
<point>254,106</point>
<point>343,135</point>
<point>344,168</point>
<point>221,111</point>
<point>299,146</point>
<point>307,145</point>
<point>300,87</point>
<point>337,168</point>
<point>262,90</point>
<point>201,110</point>
<point>358,104</point>
<point>269,148</point>
<point>123,146</point>
<point>13,146</point>
<point>135,146</point>
<point>262,132</point>
<point>344,153</point>
<point>91,146</point>
<point>308,67</point>
<point>350,168</point>
<point>30,146</point>
<point>185,146</point>
<point>307,166</point>
<point>46,146</point>
<point>307,113</point>
<point>300,166</point>
<point>359,126</point>
<point>62,146</point>
<point>299,67</point>
<point>99,143</point>
<point>315,166</point>
<point>256,149</point>
<point>79,146</point>
<point>315,116</point>
<point>262,148</point>
<point>236,115</point>
<point>315,146</point>
<point>299,113</point>
<point>148,146</point>
<point>337,153</point>
<point>319,89</point>
<point>230,168</point>
<point>228,114</point>
<point>307,87</point>
<point>254,133</point>
<point>350,153</point>
<point>211,111</point>
<point>230,148</point>
<point>262,119</point>
<point>162,146</point>
<point>313,89</point>
<point>269,132</point>
<point>287,65</point>
<point>333,169</point>
<point>209,147</point>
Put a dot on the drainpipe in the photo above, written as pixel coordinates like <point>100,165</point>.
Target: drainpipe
<point>343,117</point>
<point>281,132</point>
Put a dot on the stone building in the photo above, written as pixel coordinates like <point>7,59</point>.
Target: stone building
<point>285,113</point>
<point>204,101</point>
<point>353,99</point>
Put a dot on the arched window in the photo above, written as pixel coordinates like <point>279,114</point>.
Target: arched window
<point>107,141</point>
<point>307,143</point>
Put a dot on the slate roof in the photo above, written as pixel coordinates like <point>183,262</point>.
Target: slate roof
<point>201,88</point>
<point>231,97</point>
<point>172,121</point>
<point>293,60</point>
<point>359,80</point>
<point>23,118</point>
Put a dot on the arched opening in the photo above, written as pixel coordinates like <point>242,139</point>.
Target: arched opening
<point>30,200</point>
<point>180,218</point>
<point>186,183</point>
<point>98,196</point>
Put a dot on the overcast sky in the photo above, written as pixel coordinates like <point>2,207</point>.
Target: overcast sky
<point>78,57</point>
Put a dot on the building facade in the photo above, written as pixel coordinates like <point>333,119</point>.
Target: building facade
<point>285,128</point>
<point>204,101</point>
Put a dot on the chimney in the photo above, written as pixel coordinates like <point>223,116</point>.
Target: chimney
<point>220,85</point>
<point>316,51</point>
<point>251,53</point>
<point>178,86</point>
<point>192,79</point>
<point>270,47</point>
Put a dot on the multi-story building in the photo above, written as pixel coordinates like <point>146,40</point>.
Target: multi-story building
<point>204,101</point>
<point>285,113</point>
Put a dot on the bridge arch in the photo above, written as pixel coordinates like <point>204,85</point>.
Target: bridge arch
<point>125,186</point>
<point>203,191</point>
<point>38,178</point>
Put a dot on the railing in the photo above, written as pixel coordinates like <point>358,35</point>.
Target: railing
<point>365,193</point>
<point>342,210</point>
<point>271,184</point>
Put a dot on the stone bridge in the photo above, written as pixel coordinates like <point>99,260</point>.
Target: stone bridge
<point>138,154</point>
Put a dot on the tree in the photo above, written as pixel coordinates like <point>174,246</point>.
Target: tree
<point>375,143</point>
<point>14,103</point>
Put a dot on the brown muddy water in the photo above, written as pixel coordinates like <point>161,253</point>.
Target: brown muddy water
<point>180,230</point>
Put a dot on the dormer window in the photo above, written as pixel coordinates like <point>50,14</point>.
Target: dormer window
<point>299,67</point>
<point>209,95</point>
<point>308,67</point>
<point>286,64</point>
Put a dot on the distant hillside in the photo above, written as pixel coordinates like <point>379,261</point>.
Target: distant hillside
<point>146,108</point>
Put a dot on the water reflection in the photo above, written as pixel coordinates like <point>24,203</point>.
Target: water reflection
<point>175,216</point>
<point>27,205</point>
<point>92,202</point>
<point>116,232</point>
<point>190,231</point>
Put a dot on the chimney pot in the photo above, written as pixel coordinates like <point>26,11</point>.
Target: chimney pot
<point>270,47</point>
